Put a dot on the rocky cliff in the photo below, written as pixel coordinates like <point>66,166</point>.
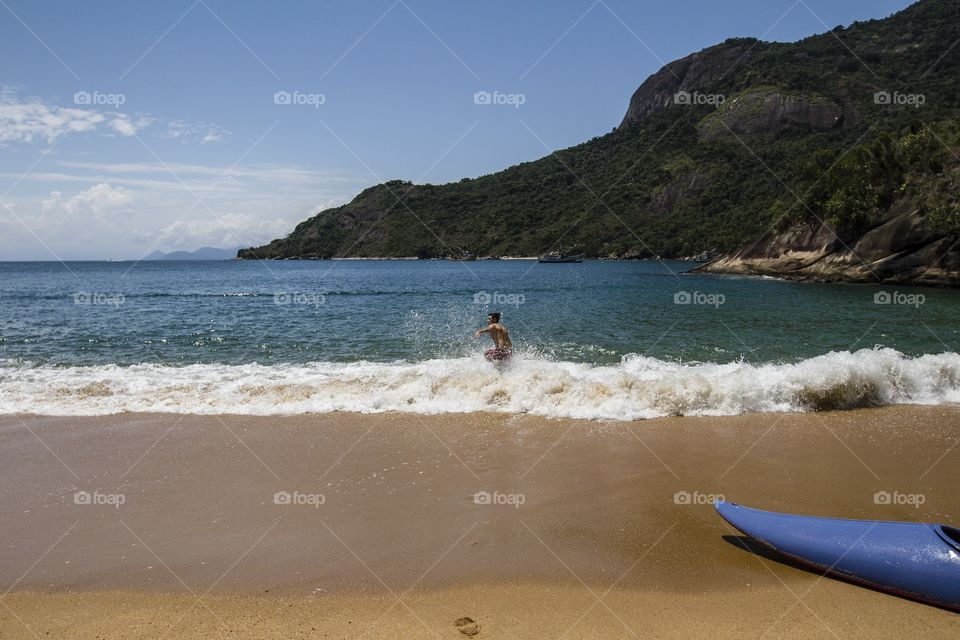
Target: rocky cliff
<point>684,79</point>
<point>769,110</point>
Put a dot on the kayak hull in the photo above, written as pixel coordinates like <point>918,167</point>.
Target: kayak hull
<point>913,560</point>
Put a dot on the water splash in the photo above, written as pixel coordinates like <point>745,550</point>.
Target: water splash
<point>639,387</point>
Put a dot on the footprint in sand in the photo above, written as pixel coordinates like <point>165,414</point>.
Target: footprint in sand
<point>467,626</point>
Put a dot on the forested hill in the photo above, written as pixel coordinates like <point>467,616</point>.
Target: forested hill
<point>739,142</point>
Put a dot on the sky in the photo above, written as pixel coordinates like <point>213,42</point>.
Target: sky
<point>129,126</point>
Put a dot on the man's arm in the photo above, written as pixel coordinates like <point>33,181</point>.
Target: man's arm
<point>484,330</point>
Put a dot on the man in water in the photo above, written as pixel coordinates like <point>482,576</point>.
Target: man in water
<point>502,347</point>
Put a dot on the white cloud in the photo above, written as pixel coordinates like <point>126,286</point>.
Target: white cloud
<point>194,131</point>
<point>91,210</point>
<point>123,126</point>
<point>212,136</point>
<point>229,230</point>
<point>29,120</point>
<point>165,183</point>
<point>82,224</point>
<point>99,201</point>
<point>94,210</point>
<point>280,175</point>
<point>176,129</point>
<point>278,182</point>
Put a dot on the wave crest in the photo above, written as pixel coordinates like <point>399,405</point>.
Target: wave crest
<point>639,387</point>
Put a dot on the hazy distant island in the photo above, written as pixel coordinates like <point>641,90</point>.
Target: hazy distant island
<point>833,158</point>
<point>203,253</point>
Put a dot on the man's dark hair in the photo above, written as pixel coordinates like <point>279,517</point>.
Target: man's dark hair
<point>495,315</point>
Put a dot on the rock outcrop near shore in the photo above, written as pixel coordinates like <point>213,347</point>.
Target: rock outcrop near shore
<point>900,249</point>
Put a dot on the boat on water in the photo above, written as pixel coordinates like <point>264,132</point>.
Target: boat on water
<point>909,559</point>
<point>703,256</point>
<point>560,257</point>
<point>464,256</point>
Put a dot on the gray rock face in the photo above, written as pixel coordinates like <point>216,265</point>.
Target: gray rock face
<point>690,74</point>
<point>901,249</point>
<point>762,111</point>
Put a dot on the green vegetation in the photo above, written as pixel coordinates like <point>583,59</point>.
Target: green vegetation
<point>661,187</point>
<point>919,166</point>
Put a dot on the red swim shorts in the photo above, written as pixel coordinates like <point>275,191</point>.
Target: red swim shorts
<point>498,354</point>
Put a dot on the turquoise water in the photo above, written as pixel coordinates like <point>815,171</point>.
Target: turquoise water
<point>343,311</point>
<point>109,327</point>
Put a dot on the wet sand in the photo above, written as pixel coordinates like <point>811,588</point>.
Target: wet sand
<point>344,525</point>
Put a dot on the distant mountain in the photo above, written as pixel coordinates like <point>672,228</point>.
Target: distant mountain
<point>835,157</point>
<point>203,253</point>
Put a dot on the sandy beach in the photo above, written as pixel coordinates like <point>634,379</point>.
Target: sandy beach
<point>346,525</point>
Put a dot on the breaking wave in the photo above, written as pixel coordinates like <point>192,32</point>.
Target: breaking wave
<point>639,387</point>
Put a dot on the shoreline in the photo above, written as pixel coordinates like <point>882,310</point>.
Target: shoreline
<point>740,268</point>
<point>577,510</point>
<point>730,266</point>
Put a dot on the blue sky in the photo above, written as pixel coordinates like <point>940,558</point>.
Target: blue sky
<point>129,126</point>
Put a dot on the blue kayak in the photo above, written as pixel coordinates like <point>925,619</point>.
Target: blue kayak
<point>918,561</point>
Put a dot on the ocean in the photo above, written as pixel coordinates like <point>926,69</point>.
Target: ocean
<point>597,340</point>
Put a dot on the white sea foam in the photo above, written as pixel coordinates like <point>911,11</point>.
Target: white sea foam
<point>639,387</point>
